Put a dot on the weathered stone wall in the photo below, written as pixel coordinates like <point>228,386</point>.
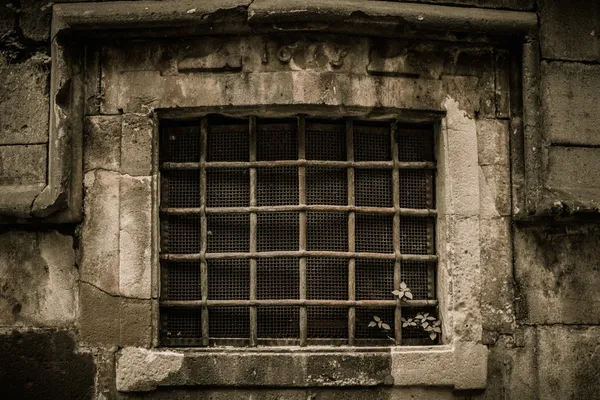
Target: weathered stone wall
<point>66,307</point>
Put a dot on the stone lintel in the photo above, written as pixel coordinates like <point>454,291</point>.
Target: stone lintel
<point>349,15</point>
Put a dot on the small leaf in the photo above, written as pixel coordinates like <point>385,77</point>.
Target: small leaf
<point>437,323</point>
<point>425,324</point>
<point>437,329</point>
<point>379,324</point>
<point>408,295</point>
<point>397,293</point>
<point>425,315</point>
<point>385,326</point>
<point>419,316</point>
<point>430,319</point>
<point>433,335</point>
<point>403,285</point>
<point>405,324</point>
<point>413,324</point>
<point>376,318</point>
<point>428,329</point>
<point>372,324</point>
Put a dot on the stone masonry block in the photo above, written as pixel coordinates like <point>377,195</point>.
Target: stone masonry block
<point>558,274</point>
<point>496,275</point>
<point>7,17</point>
<point>507,4</point>
<point>98,317</point>
<point>571,174</point>
<point>494,196</point>
<point>24,102</point>
<point>102,143</point>
<point>570,30</point>
<point>100,231</point>
<point>570,98</point>
<point>136,323</point>
<point>135,241</point>
<point>38,279</point>
<point>34,19</point>
<point>568,362</point>
<point>136,144</point>
<point>458,167</point>
<point>23,164</point>
<point>493,141</point>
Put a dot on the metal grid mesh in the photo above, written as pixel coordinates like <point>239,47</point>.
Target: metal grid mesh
<point>327,278</point>
<point>278,322</point>
<point>180,144</point>
<point>326,186</point>
<point>181,234</point>
<point>327,323</point>
<point>182,281</point>
<point>181,189</point>
<point>374,279</point>
<point>277,231</point>
<point>416,275</point>
<point>374,233</point>
<point>277,186</point>
<point>327,231</point>
<point>228,233</point>
<point>415,188</point>
<point>373,187</point>
<point>180,324</point>
<point>413,235</point>
<point>229,322</point>
<point>277,140</point>
<point>228,279</point>
<point>326,141</point>
<point>365,315</point>
<point>415,145</point>
<point>228,141</point>
<point>372,143</point>
<point>277,278</point>
<point>227,187</point>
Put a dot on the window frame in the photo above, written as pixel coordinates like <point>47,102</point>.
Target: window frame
<point>429,125</point>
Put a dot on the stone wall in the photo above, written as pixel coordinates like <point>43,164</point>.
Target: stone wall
<point>63,304</point>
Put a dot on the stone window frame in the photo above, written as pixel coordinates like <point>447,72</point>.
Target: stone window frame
<point>461,362</point>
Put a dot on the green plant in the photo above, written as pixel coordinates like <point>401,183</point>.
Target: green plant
<point>426,322</point>
<point>377,322</point>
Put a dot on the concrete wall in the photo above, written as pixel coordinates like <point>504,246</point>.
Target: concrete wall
<point>544,347</point>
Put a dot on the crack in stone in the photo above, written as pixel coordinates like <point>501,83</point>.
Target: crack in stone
<point>112,294</point>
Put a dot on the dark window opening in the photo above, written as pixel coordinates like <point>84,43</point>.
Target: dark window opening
<point>295,231</point>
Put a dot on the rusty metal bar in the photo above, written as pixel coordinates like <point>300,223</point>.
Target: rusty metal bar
<point>303,227</point>
<point>301,253</point>
<point>300,163</point>
<point>351,233</point>
<point>203,232</point>
<point>296,302</point>
<point>253,233</point>
<point>412,212</point>
<point>396,225</point>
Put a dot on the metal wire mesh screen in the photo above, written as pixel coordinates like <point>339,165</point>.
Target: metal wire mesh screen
<point>294,231</point>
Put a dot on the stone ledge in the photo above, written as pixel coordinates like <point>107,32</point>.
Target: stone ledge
<point>193,16</point>
<point>463,366</point>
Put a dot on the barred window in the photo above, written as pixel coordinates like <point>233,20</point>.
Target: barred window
<point>296,232</point>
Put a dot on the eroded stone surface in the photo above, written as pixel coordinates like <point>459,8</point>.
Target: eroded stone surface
<point>24,102</point>
<point>135,238</point>
<point>570,30</point>
<point>99,317</point>
<point>102,143</point>
<point>23,165</point>
<point>570,97</point>
<point>136,144</point>
<point>100,231</point>
<point>558,275</point>
<point>37,279</point>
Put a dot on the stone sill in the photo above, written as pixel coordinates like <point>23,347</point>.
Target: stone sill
<point>460,366</point>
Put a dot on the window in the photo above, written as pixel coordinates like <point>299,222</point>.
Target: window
<point>295,231</point>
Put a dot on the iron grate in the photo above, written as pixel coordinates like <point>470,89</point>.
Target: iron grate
<point>285,228</point>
